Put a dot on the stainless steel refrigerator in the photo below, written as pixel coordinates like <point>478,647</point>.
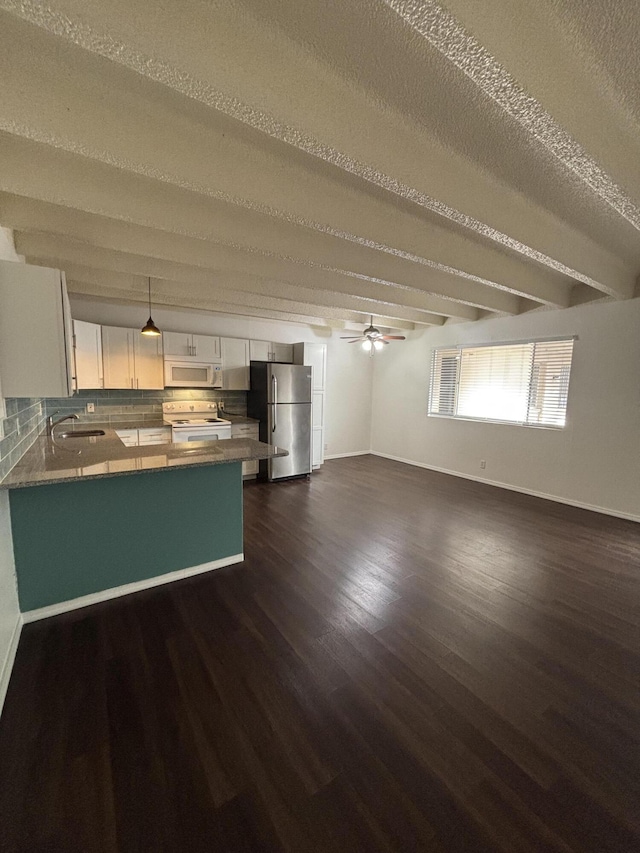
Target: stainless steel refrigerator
<point>280,398</point>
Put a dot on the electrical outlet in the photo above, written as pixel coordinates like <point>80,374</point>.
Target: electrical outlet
<point>326,448</point>
<point>91,407</point>
<point>483,463</point>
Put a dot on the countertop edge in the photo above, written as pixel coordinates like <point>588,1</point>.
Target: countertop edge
<point>31,469</point>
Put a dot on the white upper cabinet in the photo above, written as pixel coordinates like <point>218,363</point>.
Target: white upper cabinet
<point>87,348</point>
<point>235,364</point>
<point>117,354</point>
<point>206,348</point>
<point>260,350</point>
<point>270,351</point>
<point>282,352</point>
<point>177,344</point>
<point>36,333</point>
<point>148,361</point>
<point>131,360</point>
<point>196,347</point>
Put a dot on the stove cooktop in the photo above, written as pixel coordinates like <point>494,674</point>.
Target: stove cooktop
<point>195,421</point>
<point>183,414</point>
<point>201,423</point>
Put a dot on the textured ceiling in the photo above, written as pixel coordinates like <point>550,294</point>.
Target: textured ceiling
<point>323,160</point>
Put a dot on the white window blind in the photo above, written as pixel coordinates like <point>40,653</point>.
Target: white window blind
<point>520,383</point>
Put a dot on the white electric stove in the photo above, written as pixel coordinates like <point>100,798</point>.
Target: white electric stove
<point>195,420</point>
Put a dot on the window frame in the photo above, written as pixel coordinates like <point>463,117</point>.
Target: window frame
<point>495,344</point>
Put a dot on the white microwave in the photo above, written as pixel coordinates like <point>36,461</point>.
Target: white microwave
<point>192,374</point>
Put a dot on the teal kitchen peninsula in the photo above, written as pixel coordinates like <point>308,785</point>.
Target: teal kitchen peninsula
<point>93,519</point>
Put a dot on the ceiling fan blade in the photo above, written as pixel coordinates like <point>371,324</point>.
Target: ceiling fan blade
<point>393,338</point>
<point>349,338</point>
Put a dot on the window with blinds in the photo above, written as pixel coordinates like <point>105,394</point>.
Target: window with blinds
<point>519,383</point>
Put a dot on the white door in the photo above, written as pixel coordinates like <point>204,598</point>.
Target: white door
<point>260,350</point>
<point>117,356</point>
<point>88,354</point>
<point>282,352</point>
<point>206,347</point>
<point>177,344</point>
<point>149,364</point>
<point>235,364</point>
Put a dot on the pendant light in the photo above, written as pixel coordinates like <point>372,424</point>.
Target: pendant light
<point>150,327</point>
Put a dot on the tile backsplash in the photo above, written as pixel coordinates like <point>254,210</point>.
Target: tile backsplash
<point>19,429</point>
<point>126,405</point>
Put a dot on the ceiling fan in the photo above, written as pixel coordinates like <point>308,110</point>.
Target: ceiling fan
<point>372,339</point>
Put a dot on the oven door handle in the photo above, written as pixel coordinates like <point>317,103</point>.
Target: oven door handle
<point>274,383</point>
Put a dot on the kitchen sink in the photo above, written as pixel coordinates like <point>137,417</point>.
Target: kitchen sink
<point>80,433</point>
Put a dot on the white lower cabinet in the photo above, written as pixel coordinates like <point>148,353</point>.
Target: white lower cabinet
<point>144,436</point>
<point>150,435</point>
<point>129,437</point>
<point>249,469</point>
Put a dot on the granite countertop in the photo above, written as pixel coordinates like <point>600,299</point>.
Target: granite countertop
<point>237,419</point>
<point>66,459</point>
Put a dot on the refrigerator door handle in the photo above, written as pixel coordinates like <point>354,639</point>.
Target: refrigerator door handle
<point>274,383</point>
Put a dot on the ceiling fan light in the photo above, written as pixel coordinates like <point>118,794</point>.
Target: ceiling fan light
<point>378,345</point>
<point>366,345</point>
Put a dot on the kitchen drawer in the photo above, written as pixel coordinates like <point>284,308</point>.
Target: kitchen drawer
<point>154,436</point>
<point>129,437</point>
<point>245,431</point>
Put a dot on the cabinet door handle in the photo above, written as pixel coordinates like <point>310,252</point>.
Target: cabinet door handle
<point>137,383</point>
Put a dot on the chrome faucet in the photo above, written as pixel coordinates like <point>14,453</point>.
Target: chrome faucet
<point>51,423</point>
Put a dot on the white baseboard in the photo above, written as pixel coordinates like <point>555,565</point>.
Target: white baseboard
<point>7,666</point>
<point>344,455</point>
<point>628,516</point>
<point>127,589</point>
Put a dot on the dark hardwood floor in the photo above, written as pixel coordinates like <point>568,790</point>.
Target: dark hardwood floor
<point>406,661</point>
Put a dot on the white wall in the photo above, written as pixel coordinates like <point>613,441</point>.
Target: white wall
<point>349,370</point>
<point>10,619</point>
<point>593,461</point>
